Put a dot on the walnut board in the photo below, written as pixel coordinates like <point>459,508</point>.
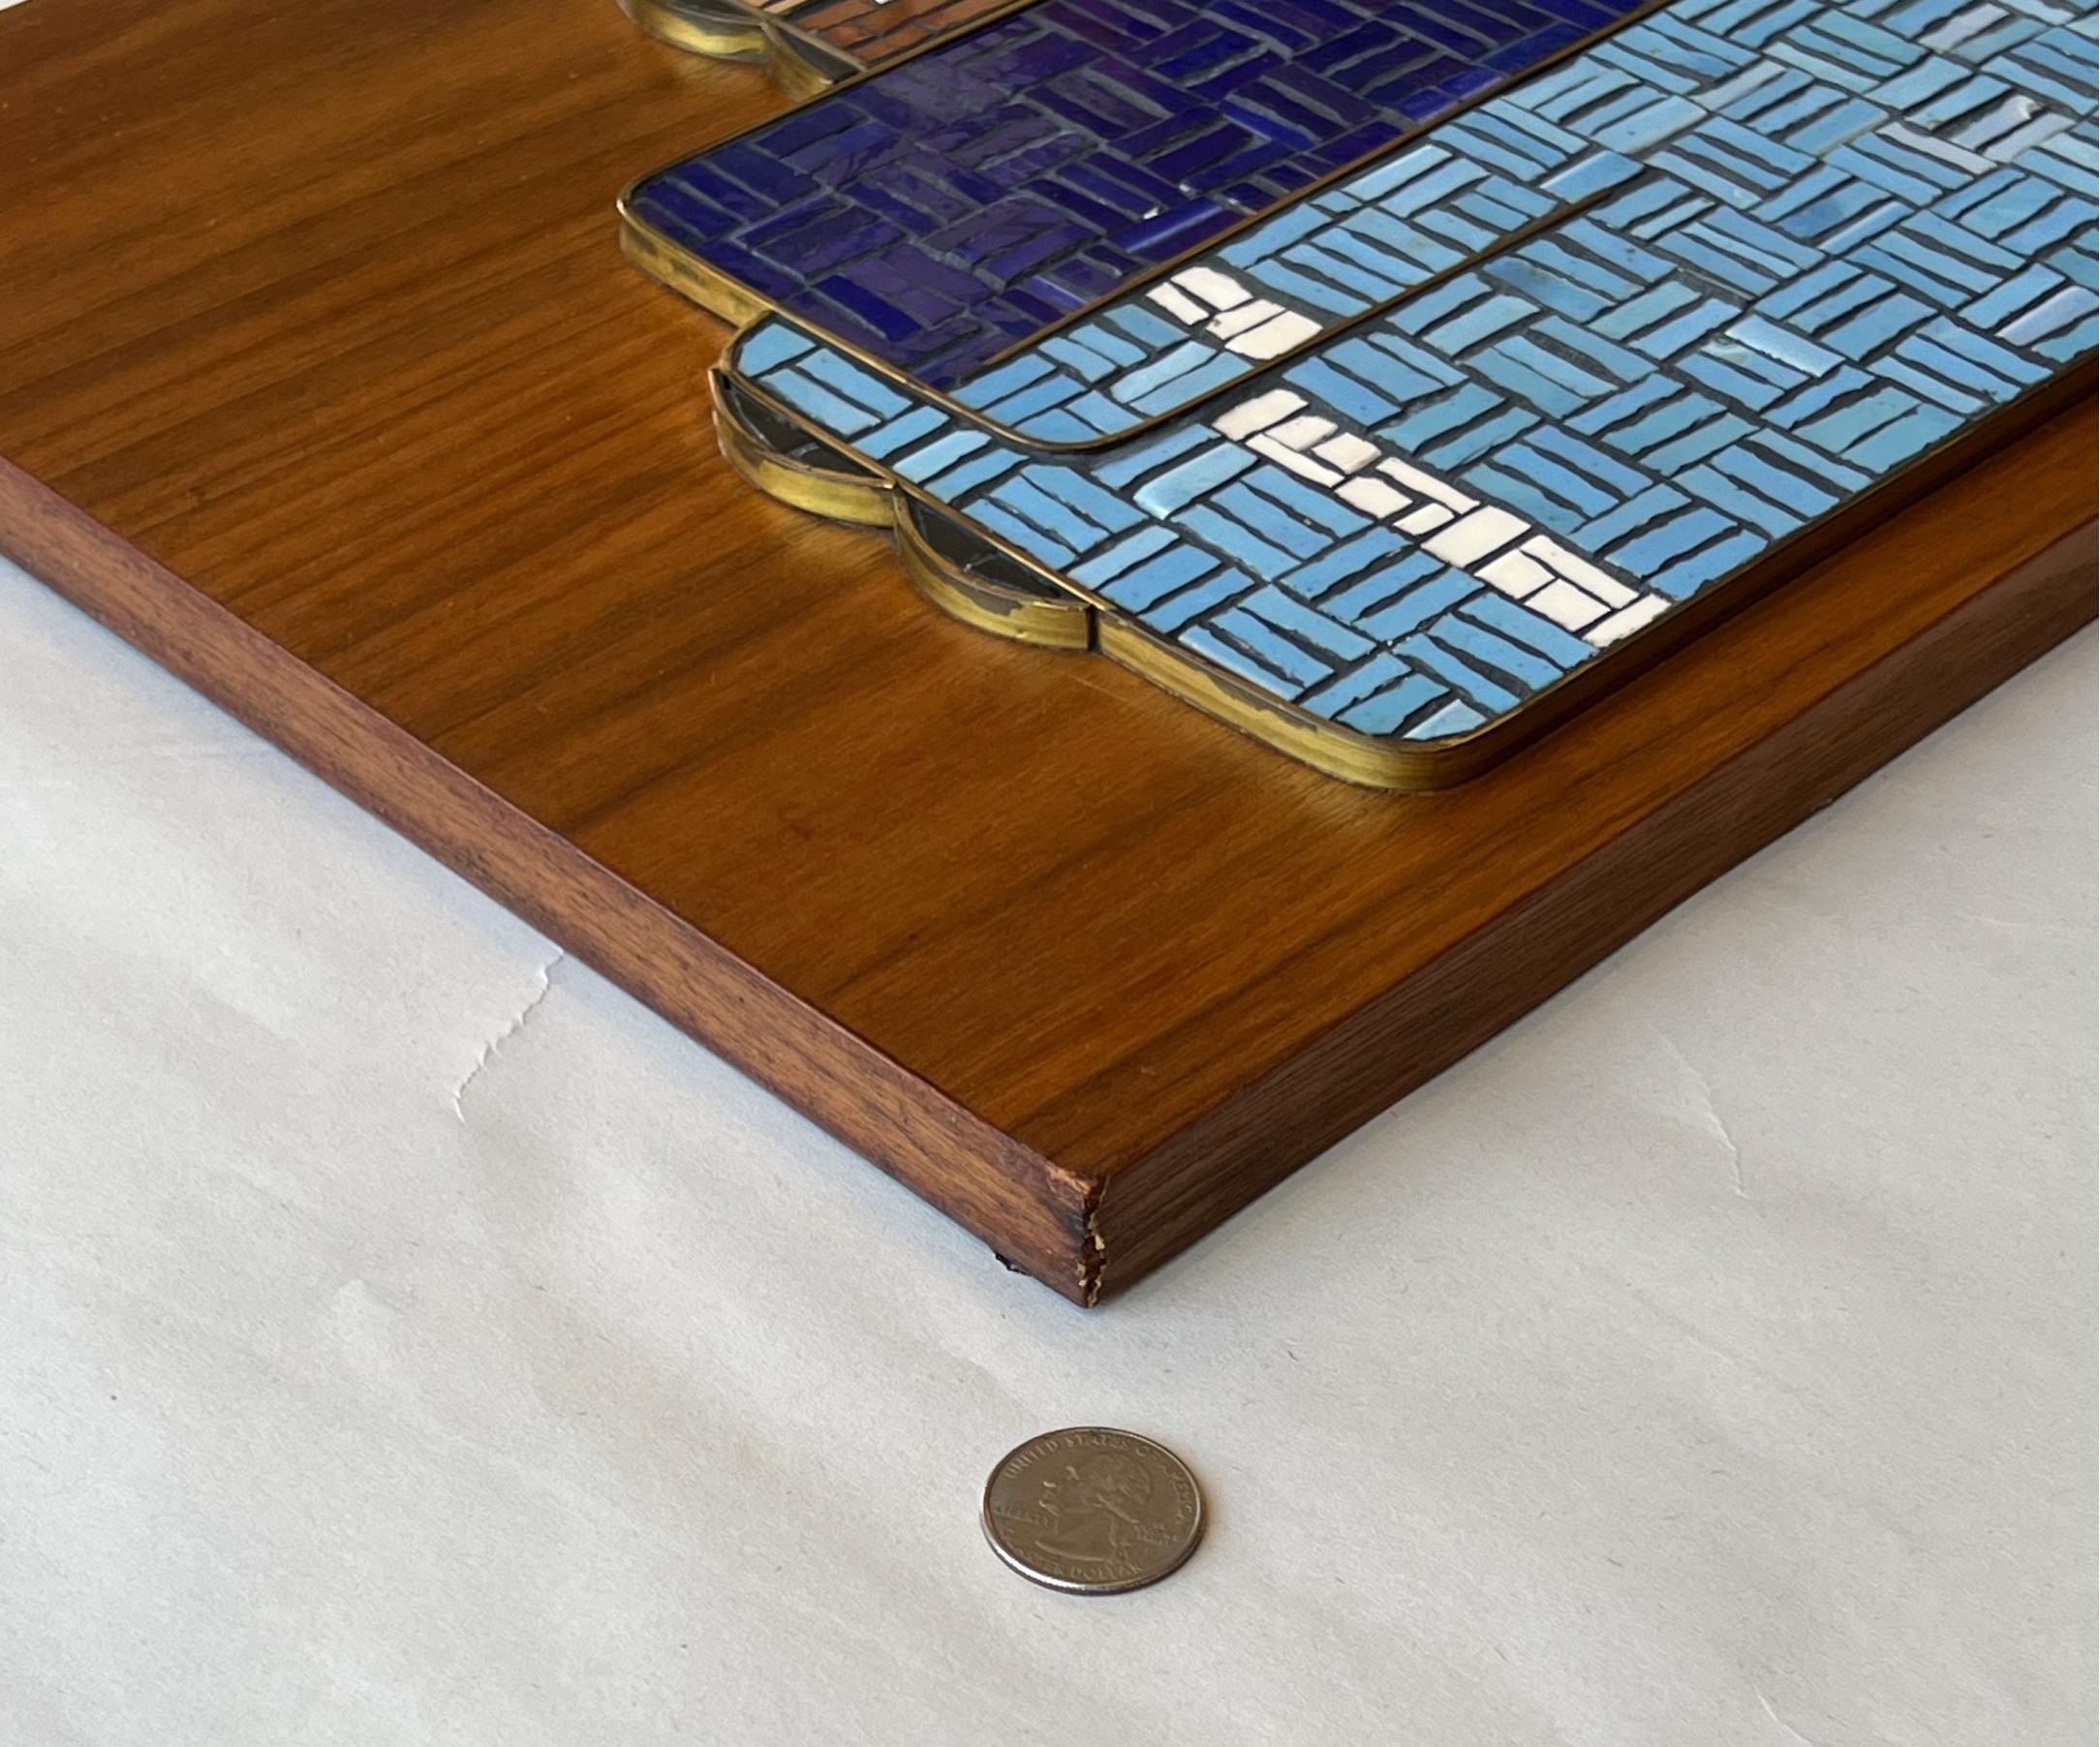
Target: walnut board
<point>324,382</point>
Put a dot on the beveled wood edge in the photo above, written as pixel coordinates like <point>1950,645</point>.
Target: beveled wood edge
<point>1156,1206</point>
<point>1037,1215</point>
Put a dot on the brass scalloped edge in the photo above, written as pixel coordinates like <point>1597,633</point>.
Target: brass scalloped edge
<point>734,36</point>
<point>851,493</point>
<point>1050,619</point>
<point>727,40</point>
<point>841,494</point>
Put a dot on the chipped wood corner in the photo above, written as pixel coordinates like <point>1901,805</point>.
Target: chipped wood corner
<point>1093,1262</point>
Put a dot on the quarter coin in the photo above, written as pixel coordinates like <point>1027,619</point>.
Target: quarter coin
<point>1092,1510</point>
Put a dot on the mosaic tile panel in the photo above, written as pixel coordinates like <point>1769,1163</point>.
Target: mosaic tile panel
<point>1843,236</point>
<point>956,203</point>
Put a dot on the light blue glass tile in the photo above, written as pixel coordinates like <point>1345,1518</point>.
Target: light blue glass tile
<point>1191,385</point>
<point>1078,493</point>
<point>1741,501</point>
<point>806,394</point>
<point>1151,581</point>
<point>1648,553</point>
<point>1273,663</point>
<point>1170,368</point>
<point>1670,458</point>
<point>853,383</point>
<point>1520,625</point>
<point>1328,636</point>
<point>917,425</point>
<point>1107,565</point>
<point>1239,544</point>
<point>1462,446</point>
<point>1376,547</point>
<point>1321,508</point>
<point>1450,666</point>
<point>1217,463</point>
<point>1384,713</point>
<point>1354,685</point>
<point>1496,654</point>
<point>1331,381</point>
<point>1009,377</point>
<point>1198,598</point>
<point>1138,459</point>
<point>768,345</point>
<point>977,470</point>
<point>2051,316</point>
<point>1045,548</point>
<point>923,464</point>
<point>1272,522</point>
<point>1455,718</point>
<point>1030,402</point>
<point>1018,495</point>
<point>1684,577</point>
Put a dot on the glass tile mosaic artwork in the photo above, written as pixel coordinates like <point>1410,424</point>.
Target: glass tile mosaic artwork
<point>1398,360</point>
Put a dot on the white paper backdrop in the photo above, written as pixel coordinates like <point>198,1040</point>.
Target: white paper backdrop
<point>404,1338</point>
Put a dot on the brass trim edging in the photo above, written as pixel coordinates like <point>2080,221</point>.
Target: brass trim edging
<point>691,278</point>
<point>788,58</point>
<point>1230,700</point>
<point>858,497</point>
<point>723,40</point>
<point>1054,621</point>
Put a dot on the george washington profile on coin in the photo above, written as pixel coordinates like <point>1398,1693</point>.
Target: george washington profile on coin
<point>1092,1510</point>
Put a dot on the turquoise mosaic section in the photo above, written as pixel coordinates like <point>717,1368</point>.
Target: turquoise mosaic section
<point>1808,243</point>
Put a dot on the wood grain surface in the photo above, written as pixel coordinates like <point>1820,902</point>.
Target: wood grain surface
<point>322,380</point>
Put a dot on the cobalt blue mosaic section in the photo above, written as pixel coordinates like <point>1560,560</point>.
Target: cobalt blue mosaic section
<point>956,204</point>
<point>1854,231</point>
